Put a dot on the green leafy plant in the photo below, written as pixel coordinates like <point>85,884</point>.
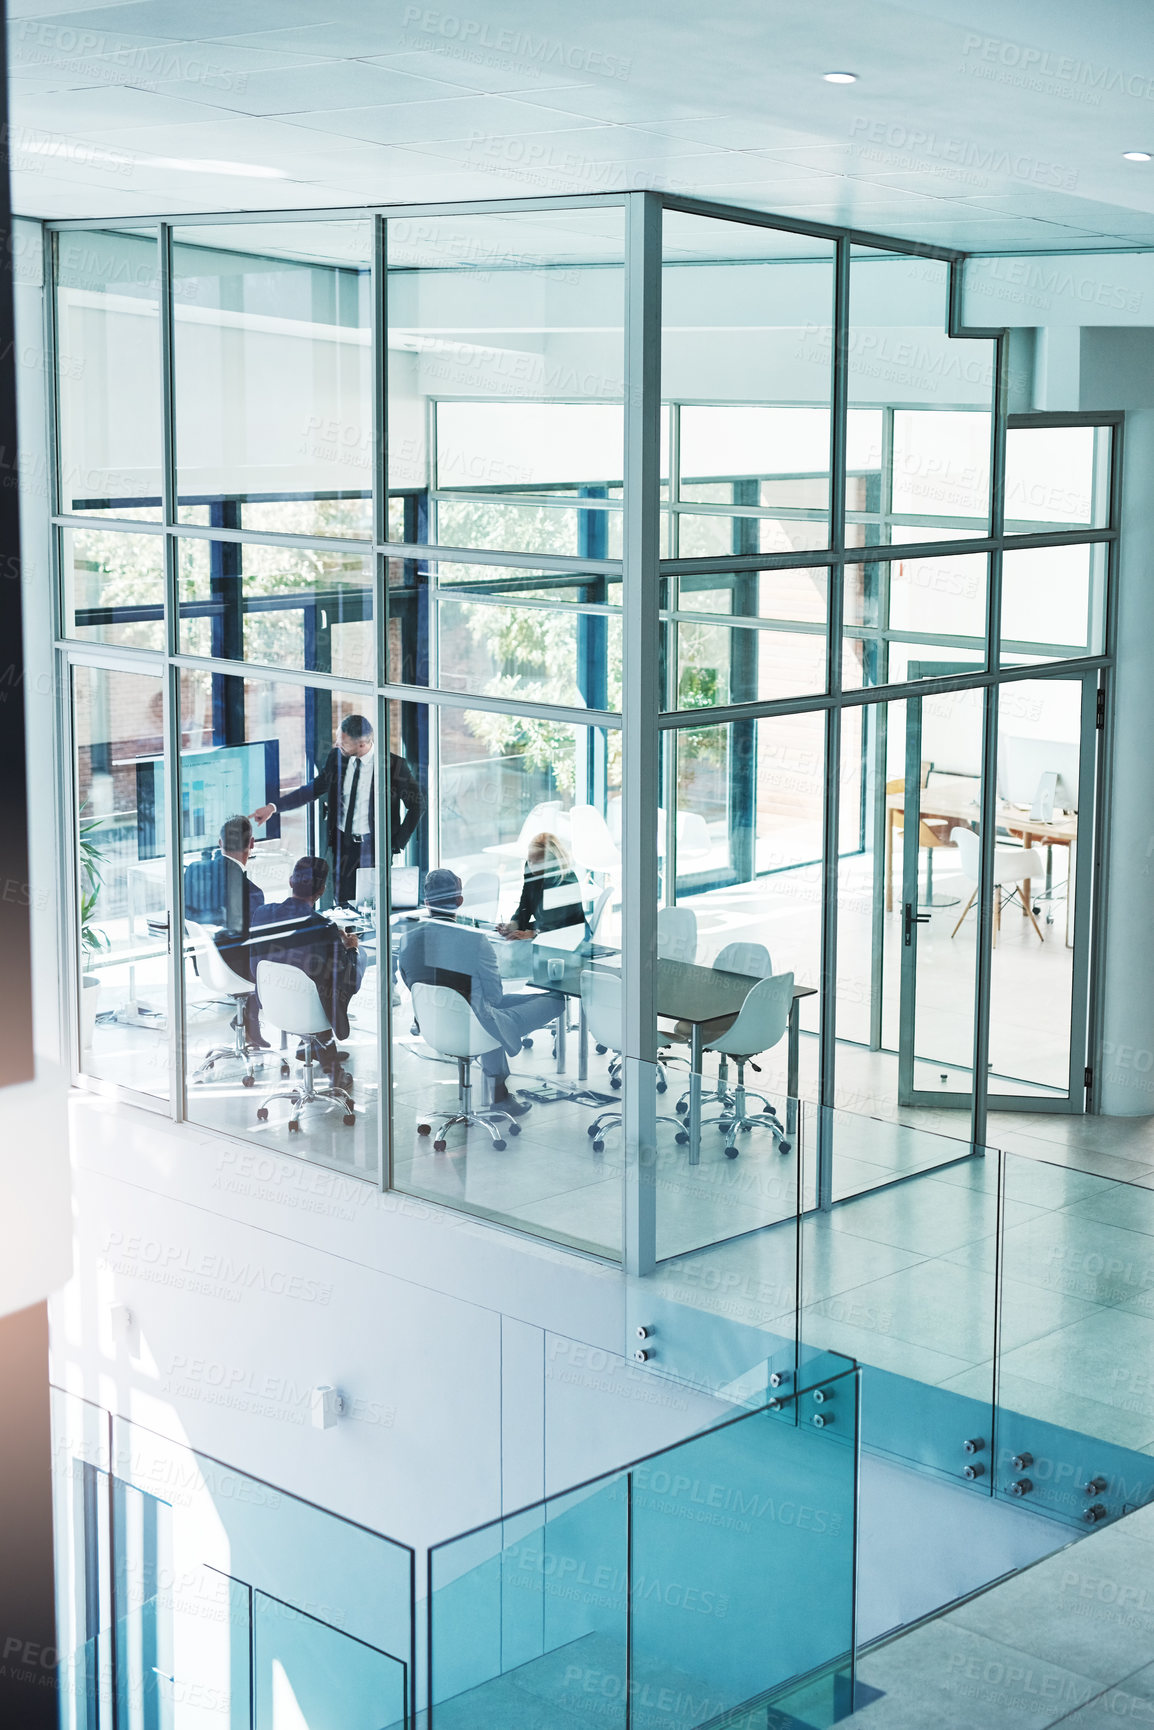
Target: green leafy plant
<point>92,939</point>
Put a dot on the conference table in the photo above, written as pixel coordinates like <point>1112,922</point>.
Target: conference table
<point>689,995</point>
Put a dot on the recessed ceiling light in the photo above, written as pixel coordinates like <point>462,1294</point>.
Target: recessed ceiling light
<point>840,77</point>
<point>1138,155</point>
<point>197,165</point>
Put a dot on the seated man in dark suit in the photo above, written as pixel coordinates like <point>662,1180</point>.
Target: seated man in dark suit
<point>293,932</point>
<point>438,951</point>
<point>219,892</point>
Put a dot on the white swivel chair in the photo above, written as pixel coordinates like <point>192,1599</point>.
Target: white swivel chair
<point>222,981</point>
<point>291,1001</point>
<point>1013,866</point>
<point>482,895</point>
<point>601,999</point>
<point>761,1023</point>
<point>676,933</point>
<point>748,958</point>
<point>592,845</point>
<point>448,1024</point>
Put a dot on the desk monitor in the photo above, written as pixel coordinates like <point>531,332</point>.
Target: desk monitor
<point>1026,765</point>
<point>366,891</point>
<point>214,784</point>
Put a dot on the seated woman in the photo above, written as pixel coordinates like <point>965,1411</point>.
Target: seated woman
<point>550,895</point>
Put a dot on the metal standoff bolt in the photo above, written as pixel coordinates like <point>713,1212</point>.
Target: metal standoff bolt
<point>1021,1461</point>
<point>778,1378</point>
<point>973,1444</point>
<point>1094,1513</point>
<point>642,1356</point>
<point>821,1419</point>
<point>820,1396</point>
<point>1095,1486</point>
<point>773,1404</point>
<point>973,1470</point>
<point>644,1333</point>
<point>1021,1487</point>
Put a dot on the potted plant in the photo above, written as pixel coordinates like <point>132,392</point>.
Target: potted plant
<point>92,939</point>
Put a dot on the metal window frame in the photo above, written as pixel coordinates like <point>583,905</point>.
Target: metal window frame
<point>647,730</point>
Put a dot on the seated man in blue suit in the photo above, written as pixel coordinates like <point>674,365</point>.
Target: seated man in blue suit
<point>438,951</point>
<point>219,892</point>
<point>293,932</point>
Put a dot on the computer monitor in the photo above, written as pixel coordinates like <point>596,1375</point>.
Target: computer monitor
<point>214,784</point>
<point>366,892</point>
<point>1025,768</point>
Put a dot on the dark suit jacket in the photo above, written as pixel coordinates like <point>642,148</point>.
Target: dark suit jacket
<point>220,892</point>
<point>294,933</point>
<point>404,789</point>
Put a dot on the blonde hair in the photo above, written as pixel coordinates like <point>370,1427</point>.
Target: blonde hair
<point>544,844</point>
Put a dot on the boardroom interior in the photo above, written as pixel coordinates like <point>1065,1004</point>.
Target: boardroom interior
<point>398,468</point>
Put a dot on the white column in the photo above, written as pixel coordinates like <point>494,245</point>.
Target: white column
<point>1127,1057</point>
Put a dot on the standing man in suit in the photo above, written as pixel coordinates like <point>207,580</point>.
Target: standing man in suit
<point>344,787</point>
<point>220,892</point>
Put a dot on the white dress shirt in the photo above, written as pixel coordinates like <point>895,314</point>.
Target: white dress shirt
<point>364,790</point>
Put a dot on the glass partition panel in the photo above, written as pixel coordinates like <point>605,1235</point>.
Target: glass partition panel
<point>280,944</point>
<point>898,611</point>
<point>285,606</point>
<point>747,362</point>
<point>1057,477</point>
<point>1076,1411</point>
<point>710,662</point>
<point>506,381</point>
<point>926,457</point>
<point>306,1672</point>
<point>1053,602</point>
<point>122,891</point>
<point>113,587</point>
<point>108,372</point>
<point>509,893</point>
<point>274,423</point>
<point>1032,984</point>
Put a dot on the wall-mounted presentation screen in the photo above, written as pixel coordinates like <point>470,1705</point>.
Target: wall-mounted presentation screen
<point>214,784</point>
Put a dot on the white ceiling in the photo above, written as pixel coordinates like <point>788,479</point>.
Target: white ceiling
<point>991,125</point>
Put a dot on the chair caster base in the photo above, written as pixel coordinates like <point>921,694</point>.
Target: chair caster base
<point>350,1117</point>
<point>294,1126</point>
<point>500,1145</point>
<point>248,1080</point>
<point>424,1129</point>
<point>601,1050</point>
<point>514,1129</point>
<point>598,1145</point>
<point>785,1147</point>
<point>682,1138</point>
<point>681,1107</point>
<point>285,1071</point>
<point>731,1152</point>
<point>262,1114</point>
<point>439,1146</point>
<point>615,1082</point>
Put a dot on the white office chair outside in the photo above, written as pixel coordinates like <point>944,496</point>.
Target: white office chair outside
<point>1012,865</point>
<point>761,1023</point>
<point>291,1001</point>
<point>546,818</point>
<point>601,999</point>
<point>676,933</point>
<point>482,896</point>
<point>448,1024</point>
<point>222,981</point>
<point>593,847</point>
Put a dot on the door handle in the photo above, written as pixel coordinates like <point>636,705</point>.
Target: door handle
<point>910,918</point>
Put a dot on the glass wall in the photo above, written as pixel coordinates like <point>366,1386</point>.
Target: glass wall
<point>657,694</point>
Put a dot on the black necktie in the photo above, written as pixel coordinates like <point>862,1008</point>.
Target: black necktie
<point>351,805</point>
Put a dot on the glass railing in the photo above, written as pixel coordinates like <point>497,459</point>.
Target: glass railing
<point>709,1577</point>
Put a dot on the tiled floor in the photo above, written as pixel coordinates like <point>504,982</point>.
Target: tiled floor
<point>1067,1642</point>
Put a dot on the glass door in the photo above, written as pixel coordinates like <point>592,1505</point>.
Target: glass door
<point>938,819</point>
<point>122,924</point>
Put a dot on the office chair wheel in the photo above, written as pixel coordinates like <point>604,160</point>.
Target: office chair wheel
<point>294,1125</point>
<point>682,1138</point>
<point>785,1147</point>
<point>526,1044</point>
<point>662,1085</point>
<point>681,1107</point>
<point>262,1114</point>
<point>514,1129</point>
<point>439,1146</point>
<point>285,1071</point>
<point>601,1050</point>
<point>730,1151</point>
<point>499,1146</point>
<point>424,1128</point>
<point>592,1131</point>
<point>615,1081</point>
<point>350,1117</point>
<point>598,1145</point>
<point>248,1080</point>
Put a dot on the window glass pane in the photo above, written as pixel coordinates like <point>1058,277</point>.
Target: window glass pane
<point>285,606</point>
<point>513,326</point>
<point>274,425</point>
<point>108,372</point>
<point>524,826</point>
<point>118,720</point>
<point>746,350</point>
<point>1053,598</point>
<point>945,597</point>
<point>113,587</point>
<point>1057,477</point>
<point>261,890</point>
<point>922,400</point>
